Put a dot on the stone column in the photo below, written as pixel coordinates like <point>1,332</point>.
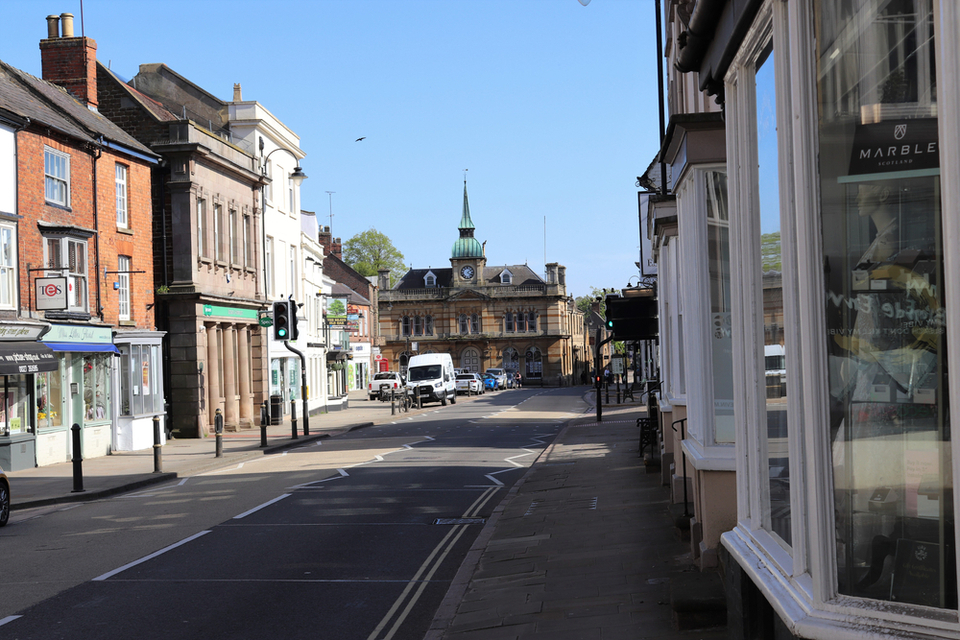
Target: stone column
<point>229,364</point>
<point>212,374</point>
<point>243,360</point>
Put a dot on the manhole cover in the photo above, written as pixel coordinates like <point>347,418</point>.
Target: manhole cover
<point>459,521</point>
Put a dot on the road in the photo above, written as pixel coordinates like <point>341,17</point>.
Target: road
<point>356,536</point>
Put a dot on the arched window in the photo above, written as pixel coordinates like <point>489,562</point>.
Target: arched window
<point>475,323</point>
<point>511,360</point>
<point>418,325</point>
<point>464,323</point>
<point>532,321</point>
<point>521,322</point>
<point>405,325</point>
<point>534,363</point>
<point>508,324</point>
<point>428,325</point>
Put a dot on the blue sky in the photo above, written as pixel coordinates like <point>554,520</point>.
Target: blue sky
<point>550,105</point>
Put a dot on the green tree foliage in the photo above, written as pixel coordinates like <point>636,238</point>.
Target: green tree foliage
<point>369,251</point>
<point>770,251</point>
<point>583,302</point>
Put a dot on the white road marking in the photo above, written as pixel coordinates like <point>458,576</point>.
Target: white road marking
<point>110,574</point>
<point>264,505</point>
<point>8,619</point>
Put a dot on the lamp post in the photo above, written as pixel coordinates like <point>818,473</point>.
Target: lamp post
<point>298,176</point>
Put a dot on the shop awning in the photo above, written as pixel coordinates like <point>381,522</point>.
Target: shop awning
<point>82,346</point>
<point>26,357</point>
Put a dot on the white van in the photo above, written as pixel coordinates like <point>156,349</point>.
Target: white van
<point>433,374</point>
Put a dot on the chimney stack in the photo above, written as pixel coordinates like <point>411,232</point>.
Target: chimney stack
<point>69,61</point>
<point>236,92</point>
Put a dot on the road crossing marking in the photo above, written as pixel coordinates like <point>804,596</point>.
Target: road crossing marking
<point>153,555</point>
<point>264,505</point>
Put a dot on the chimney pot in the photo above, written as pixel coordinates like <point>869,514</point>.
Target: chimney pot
<point>67,20</point>
<point>236,92</point>
<point>53,26</point>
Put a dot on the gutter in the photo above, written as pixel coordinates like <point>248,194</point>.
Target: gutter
<point>694,41</point>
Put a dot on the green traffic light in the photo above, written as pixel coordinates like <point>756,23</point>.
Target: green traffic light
<point>282,333</point>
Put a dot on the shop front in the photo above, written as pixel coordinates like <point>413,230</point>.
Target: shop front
<point>22,361</point>
<point>80,391</point>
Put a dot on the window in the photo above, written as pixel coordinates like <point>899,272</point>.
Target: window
<point>96,387</point>
<point>268,265</point>
<point>508,322</point>
<point>511,360</point>
<point>68,256</point>
<point>50,399</point>
<point>464,323</point>
<point>534,363</point>
<point>291,195</point>
<point>506,277</point>
<point>140,392</point>
<point>121,184</point>
<point>202,248</point>
<point>293,271</point>
<point>418,325</point>
<point>8,266</point>
<point>521,322</point>
<point>248,241</point>
<point>475,323</point>
<point>218,229</point>
<point>880,214</point>
<point>56,169</point>
<point>721,337</point>
<point>233,237</point>
<point>532,321</point>
<point>268,188</point>
<point>430,280</point>
<point>428,325</point>
<point>405,325</point>
<point>123,278</point>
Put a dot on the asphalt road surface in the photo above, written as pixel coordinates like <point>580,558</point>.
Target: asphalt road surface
<point>353,537</point>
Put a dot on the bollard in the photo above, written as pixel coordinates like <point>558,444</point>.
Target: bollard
<point>393,402</point>
<point>77,460</point>
<point>218,429</point>
<point>293,419</point>
<point>157,460</point>
<point>264,420</point>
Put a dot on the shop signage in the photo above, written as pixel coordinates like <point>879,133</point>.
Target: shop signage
<point>895,145</point>
<point>336,316</point>
<point>78,333</point>
<point>51,294</point>
<point>25,332</point>
<point>229,312</point>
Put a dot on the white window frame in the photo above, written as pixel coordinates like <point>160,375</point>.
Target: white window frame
<point>268,266</point>
<point>120,181</point>
<point>202,245</point>
<point>233,238</point>
<point>78,291</point>
<point>56,170</point>
<point>218,224</point>
<point>8,266</point>
<point>123,293</point>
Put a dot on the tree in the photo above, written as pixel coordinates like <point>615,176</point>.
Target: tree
<point>369,251</point>
<point>584,302</point>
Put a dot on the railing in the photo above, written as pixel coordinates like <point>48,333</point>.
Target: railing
<point>441,292</point>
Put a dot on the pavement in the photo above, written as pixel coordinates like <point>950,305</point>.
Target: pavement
<point>583,546</point>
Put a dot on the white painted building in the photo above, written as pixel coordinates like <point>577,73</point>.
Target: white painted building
<point>312,340</point>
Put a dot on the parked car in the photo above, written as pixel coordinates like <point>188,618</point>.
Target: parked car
<point>385,380</point>
<point>511,381</point>
<point>501,377</point>
<point>4,498</point>
<point>490,382</point>
<point>469,383</point>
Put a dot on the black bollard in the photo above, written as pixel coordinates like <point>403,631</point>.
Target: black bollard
<point>293,419</point>
<point>77,460</point>
<point>157,460</point>
<point>218,430</point>
<point>264,421</point>
<point>393,402</point>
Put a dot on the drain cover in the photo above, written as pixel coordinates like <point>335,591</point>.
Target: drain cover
<point>459,521</point>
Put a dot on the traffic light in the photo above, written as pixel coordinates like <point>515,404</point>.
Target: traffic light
<point>294,332</point>
<point>282,324</point>
<point>633,317</point>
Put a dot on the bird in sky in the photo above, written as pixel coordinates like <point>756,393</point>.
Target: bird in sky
<point>359,139</point>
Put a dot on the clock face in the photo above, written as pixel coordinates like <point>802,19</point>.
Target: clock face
<point>467,272</point>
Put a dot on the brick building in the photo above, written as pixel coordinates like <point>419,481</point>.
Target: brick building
<point>82,224</point>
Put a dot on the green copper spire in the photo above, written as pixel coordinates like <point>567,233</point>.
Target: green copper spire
<point>466,245</point>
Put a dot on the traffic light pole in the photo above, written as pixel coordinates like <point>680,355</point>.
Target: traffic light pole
<point>303,388</point>
<point>598,364</point>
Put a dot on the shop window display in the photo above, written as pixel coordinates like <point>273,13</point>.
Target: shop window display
<point>883,252</point>
<point>50,400</point>
<point>96,387</point>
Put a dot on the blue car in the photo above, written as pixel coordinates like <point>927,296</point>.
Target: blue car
<point>490,383</point>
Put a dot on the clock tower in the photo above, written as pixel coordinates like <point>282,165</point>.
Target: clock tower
<point>467,257</point>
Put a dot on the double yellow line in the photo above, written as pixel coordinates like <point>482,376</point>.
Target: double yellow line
<point>414,589</point>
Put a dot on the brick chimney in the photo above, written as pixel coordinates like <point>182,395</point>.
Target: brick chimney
<point>331,245</point>
<point>69,61</point>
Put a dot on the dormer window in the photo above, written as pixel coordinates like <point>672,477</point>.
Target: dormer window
<point>506,277</point>
<point>430,280</point>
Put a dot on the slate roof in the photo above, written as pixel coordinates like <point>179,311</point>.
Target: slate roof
<point>49,104</point>
<point>522,275</point>
<point>343,290</point>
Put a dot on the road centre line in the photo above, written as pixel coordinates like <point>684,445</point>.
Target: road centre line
<point>153,555</point>
<point>264,505</point>
<point>443,549</point>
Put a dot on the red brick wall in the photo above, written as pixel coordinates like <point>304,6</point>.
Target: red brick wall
<point>136,243</point>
